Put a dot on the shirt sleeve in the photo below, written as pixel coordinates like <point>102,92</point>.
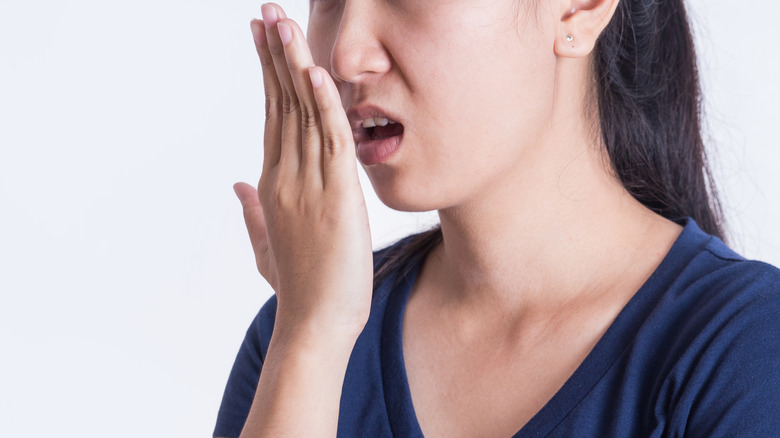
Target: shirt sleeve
<point>734,389</point>
<point>242,382</point>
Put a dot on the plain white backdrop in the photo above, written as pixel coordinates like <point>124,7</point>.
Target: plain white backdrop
<point>126,277</point>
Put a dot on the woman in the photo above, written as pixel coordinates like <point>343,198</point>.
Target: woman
<point>574,286</point>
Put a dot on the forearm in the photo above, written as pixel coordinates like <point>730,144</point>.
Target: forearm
<point>299,390</point>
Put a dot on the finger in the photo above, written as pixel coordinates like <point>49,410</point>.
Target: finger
<point>253,218</point>
<point>338,145</point>
<point>247,195</point>
<point>272,134</point>
<point>289,160</point>
<point>299,61</point>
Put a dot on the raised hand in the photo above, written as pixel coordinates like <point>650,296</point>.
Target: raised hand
<point>307,220</point>
<point>309,229</point>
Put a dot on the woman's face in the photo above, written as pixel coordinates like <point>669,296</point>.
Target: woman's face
<point>470,81</point>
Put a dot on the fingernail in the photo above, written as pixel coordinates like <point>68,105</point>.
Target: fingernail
<point>270,17</point>
<point>285,33</point>
<point>258,33</point>
<point>316,77</point>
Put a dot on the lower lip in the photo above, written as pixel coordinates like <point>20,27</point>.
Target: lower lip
<point>377,151</point>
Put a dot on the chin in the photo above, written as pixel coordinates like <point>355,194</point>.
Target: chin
<point>402,194</point>
<point>405,204</point>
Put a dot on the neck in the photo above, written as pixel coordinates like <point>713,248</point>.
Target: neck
<point>559,229</point>
<point>534,254</point>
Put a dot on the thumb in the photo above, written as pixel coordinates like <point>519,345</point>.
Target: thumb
<point>254,220</point>
<point>246,194</point>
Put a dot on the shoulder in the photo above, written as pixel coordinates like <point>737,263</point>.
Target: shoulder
<point>721,341</point>
<point>701,265</point>
<point>716,291</point>
<point>730,368</point>
<point>724,277</point>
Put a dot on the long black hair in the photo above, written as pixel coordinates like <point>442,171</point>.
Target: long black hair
<point>649,103</point>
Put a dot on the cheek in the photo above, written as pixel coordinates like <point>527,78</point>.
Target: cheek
<point>472,97</point>
<point>482,119</point>
<point>480,62</point>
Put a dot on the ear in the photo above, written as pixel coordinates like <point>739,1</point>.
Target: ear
<point>582,21</point>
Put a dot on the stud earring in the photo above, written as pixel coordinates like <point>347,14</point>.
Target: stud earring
<point>569,38</point>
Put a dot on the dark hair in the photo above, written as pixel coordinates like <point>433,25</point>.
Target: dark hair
<point>648,96</point>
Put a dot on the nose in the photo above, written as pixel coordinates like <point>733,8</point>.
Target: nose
<point>358,52</point>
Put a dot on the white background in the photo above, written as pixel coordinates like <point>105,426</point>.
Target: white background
<point>126,278</point>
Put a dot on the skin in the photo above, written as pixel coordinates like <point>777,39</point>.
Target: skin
<point>542,246</point>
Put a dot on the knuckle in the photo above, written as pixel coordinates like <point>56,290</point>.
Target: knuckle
<point>309,119</point>
<point>272,106</point>
<point>311,138</point>
<point>333,142</point>
<point>290,104</point>
<point>293,201</point>
<point>281,198</point>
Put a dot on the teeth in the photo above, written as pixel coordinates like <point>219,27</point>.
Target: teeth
<point>377,121</point>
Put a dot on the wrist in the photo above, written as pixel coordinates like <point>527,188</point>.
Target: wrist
<point>303,374</point>
<point>315,332</point>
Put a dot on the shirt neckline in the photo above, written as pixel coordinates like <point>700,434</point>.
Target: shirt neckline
<point>616,339</point>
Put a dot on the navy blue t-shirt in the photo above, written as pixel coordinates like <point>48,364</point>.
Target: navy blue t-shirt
<point>695,352</point>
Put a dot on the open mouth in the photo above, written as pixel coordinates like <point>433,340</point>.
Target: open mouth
<point>380,132</point>
<point>377,128</point>
<point>377,139</point>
